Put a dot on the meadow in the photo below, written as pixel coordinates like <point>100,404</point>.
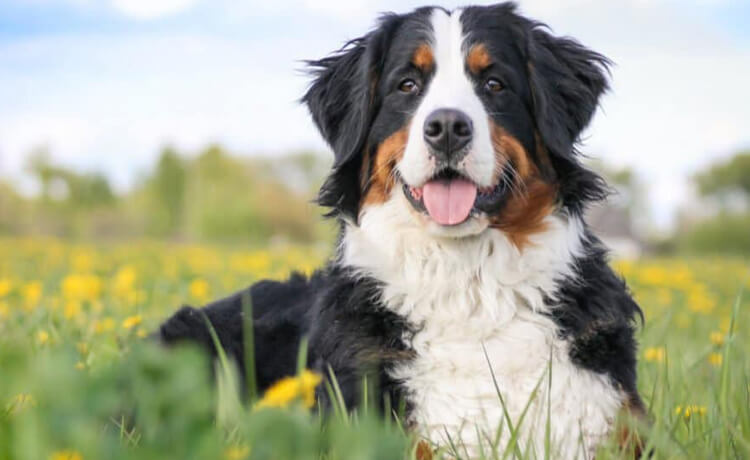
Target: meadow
<point>79,379</point>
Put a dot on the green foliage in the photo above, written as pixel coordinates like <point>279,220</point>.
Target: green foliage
<point>167,192</point>
<point>724,234</point>
<point>79,191</point>
<point>726,177</point>
<point>213,196</point>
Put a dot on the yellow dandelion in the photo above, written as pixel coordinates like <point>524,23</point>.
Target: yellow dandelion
<point>32,294</point>
<point>65,455</point>
<point>624,267</point>
<point>715,359</point>
<point>654,354</point>
<point>717,338</point>
<point>42,337</point>
<point>80,366</point>
<point>104,325</point>
<point>5,287</point>
<point>291,389</point>
<point>124,281</point>
<point>237,452</point>
<point>81,287</point>
<point>691,410</point>
<point>132,321</point>
<point>654,276</point>
<point>199,289</point>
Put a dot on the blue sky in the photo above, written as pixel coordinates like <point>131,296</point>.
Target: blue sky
<point>105,83</point>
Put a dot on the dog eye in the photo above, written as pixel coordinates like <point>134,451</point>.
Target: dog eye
<point>408,86</point>
<point>493,85</point>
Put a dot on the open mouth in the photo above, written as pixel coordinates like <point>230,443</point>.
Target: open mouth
<point>450,198</point>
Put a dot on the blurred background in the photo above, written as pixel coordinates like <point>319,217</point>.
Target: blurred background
<point>179,120</point>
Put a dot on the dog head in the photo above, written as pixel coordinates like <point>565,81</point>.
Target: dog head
<point>471,115</point>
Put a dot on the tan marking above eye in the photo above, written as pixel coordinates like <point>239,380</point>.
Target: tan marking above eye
<point>423,59</point>
<point>478,58</point>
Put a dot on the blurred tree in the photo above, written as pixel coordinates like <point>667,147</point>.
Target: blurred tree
<point>720,222</point>
<point>729,176</point>
<point>723,234</point>
<point>212,196</point>
<point>168,185</point>
<point>13,210</point>
<point>72,189</point>
<point>727,183</point>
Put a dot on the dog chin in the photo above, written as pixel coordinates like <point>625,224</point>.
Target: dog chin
<point>472,226</point>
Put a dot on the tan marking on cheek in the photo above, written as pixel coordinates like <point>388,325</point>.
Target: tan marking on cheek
<point>381,179</point>
<point>531,199</point>
<point>508,147</point>
<point>423,58</point>
<point>478,58</point>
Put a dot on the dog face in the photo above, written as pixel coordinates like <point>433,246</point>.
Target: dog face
<point>472,115</point>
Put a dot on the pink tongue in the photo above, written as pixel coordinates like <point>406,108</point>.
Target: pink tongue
<point>449,202</point>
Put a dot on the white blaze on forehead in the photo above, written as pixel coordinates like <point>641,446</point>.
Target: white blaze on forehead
<point>451,87</point>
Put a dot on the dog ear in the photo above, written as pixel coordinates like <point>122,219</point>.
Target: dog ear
<point>567,80</point>
<point>343,102</point>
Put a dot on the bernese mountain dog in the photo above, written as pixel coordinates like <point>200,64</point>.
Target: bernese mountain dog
<point>465,280</point>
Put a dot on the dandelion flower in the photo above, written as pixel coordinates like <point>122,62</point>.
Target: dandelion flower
<point>5,287</point>
<point>691,410</point>
<point>715,359</point>
<point>655,354</point>
<point>237,452</point>
<point>290,389</point>
<point>32,294</point>
<point>124,281</point>
<point>65,455</point>
<point>42,337</point>
<point>199,289</point>
<point>132,321</point>
<point>717,338</point>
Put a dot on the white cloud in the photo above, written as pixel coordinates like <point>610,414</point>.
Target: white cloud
<point>151,9</point>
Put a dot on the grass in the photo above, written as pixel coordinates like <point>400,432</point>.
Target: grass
<point>78,381</point>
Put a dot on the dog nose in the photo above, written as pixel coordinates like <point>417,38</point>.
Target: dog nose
<point>447,131</point>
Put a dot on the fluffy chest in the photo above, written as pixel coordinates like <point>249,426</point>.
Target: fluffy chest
<point>485,344</point>
<point>464,380</point>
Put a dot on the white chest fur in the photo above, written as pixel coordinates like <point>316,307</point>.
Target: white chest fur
<point>465,296</point>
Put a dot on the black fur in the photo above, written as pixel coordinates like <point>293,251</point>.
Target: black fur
<point>347,329</point>
<point>595,312</point>
<point>553,86</point>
